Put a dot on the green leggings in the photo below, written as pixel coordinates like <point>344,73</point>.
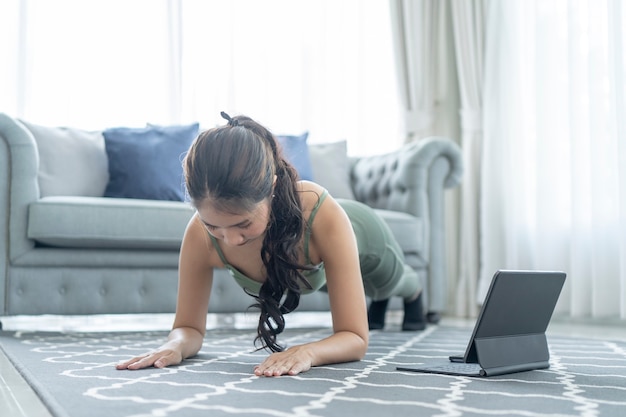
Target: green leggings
<point>383,268</point>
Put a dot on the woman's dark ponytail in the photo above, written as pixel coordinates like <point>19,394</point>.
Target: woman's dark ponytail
<point>280,255</point>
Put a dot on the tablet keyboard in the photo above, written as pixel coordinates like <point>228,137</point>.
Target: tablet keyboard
<point>456,368</point>
<point>471,369</point>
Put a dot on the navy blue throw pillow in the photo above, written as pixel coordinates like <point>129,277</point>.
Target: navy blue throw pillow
<point>146,162</point>
<point>296,151</point>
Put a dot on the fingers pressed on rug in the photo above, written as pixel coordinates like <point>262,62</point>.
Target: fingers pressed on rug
<point>158,360</point>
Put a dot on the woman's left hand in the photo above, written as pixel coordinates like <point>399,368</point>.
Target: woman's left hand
<point>289,362</point>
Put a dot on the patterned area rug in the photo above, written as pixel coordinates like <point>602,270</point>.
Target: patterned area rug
<point>73,373</point>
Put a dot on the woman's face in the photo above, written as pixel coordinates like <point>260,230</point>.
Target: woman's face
<point>235,229</point>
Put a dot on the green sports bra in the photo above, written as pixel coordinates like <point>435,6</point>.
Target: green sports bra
<point>315,277</point>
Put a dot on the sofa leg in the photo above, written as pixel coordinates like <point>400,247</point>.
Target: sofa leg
<point>433,317</point>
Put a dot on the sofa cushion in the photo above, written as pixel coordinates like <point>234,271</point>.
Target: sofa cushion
<point>331,168</point>
<point>296,151</point>
<point>91,222</point>
<point>72,162</point>
<point>146,162</point>
<point>407,229</point>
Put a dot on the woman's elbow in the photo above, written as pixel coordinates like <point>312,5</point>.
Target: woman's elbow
<point>361,346</point>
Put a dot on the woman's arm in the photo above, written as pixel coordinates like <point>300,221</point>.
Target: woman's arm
<point>195,277</point>
<point>333,241</point>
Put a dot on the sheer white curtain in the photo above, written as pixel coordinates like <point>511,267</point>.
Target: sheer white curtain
<point>87,64</point>
<point>468,20</point>
<point>322,66</point>
<point>316,65</point>
<point>428,91</point>
<point>554,170</point>
<point>424,62</point>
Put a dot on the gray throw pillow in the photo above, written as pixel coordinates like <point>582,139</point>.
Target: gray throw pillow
<point>72,162</point>
<point>330,165</point>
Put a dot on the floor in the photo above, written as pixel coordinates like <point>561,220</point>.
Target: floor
<point>17,399</point>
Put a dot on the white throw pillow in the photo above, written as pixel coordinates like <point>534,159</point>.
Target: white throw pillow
<point>330,165</point>
<point>72,162</point>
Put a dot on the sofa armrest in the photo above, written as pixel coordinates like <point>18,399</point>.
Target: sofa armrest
<point>413,179</point>
<point>403,180</point>
<point>19,162</point>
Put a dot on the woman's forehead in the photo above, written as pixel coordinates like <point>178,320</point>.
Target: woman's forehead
<point>209,210</point>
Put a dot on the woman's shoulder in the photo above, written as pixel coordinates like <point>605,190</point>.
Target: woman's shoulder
<point>310,194</point>
<point>317,201</point>
<point>305,185</point>
<point>197,243</point>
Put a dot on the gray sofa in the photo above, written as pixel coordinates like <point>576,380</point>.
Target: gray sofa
<point>88,254</point>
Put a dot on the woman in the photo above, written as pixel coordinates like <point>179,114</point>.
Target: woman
<point>280,238</point>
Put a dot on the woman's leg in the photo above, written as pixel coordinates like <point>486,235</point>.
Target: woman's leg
<point>384,271</point>
<point>376,314</point>
<point>406,286</point>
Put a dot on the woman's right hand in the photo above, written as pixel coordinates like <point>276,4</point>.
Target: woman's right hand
<point>194,290</point>
<point>159,359</point>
